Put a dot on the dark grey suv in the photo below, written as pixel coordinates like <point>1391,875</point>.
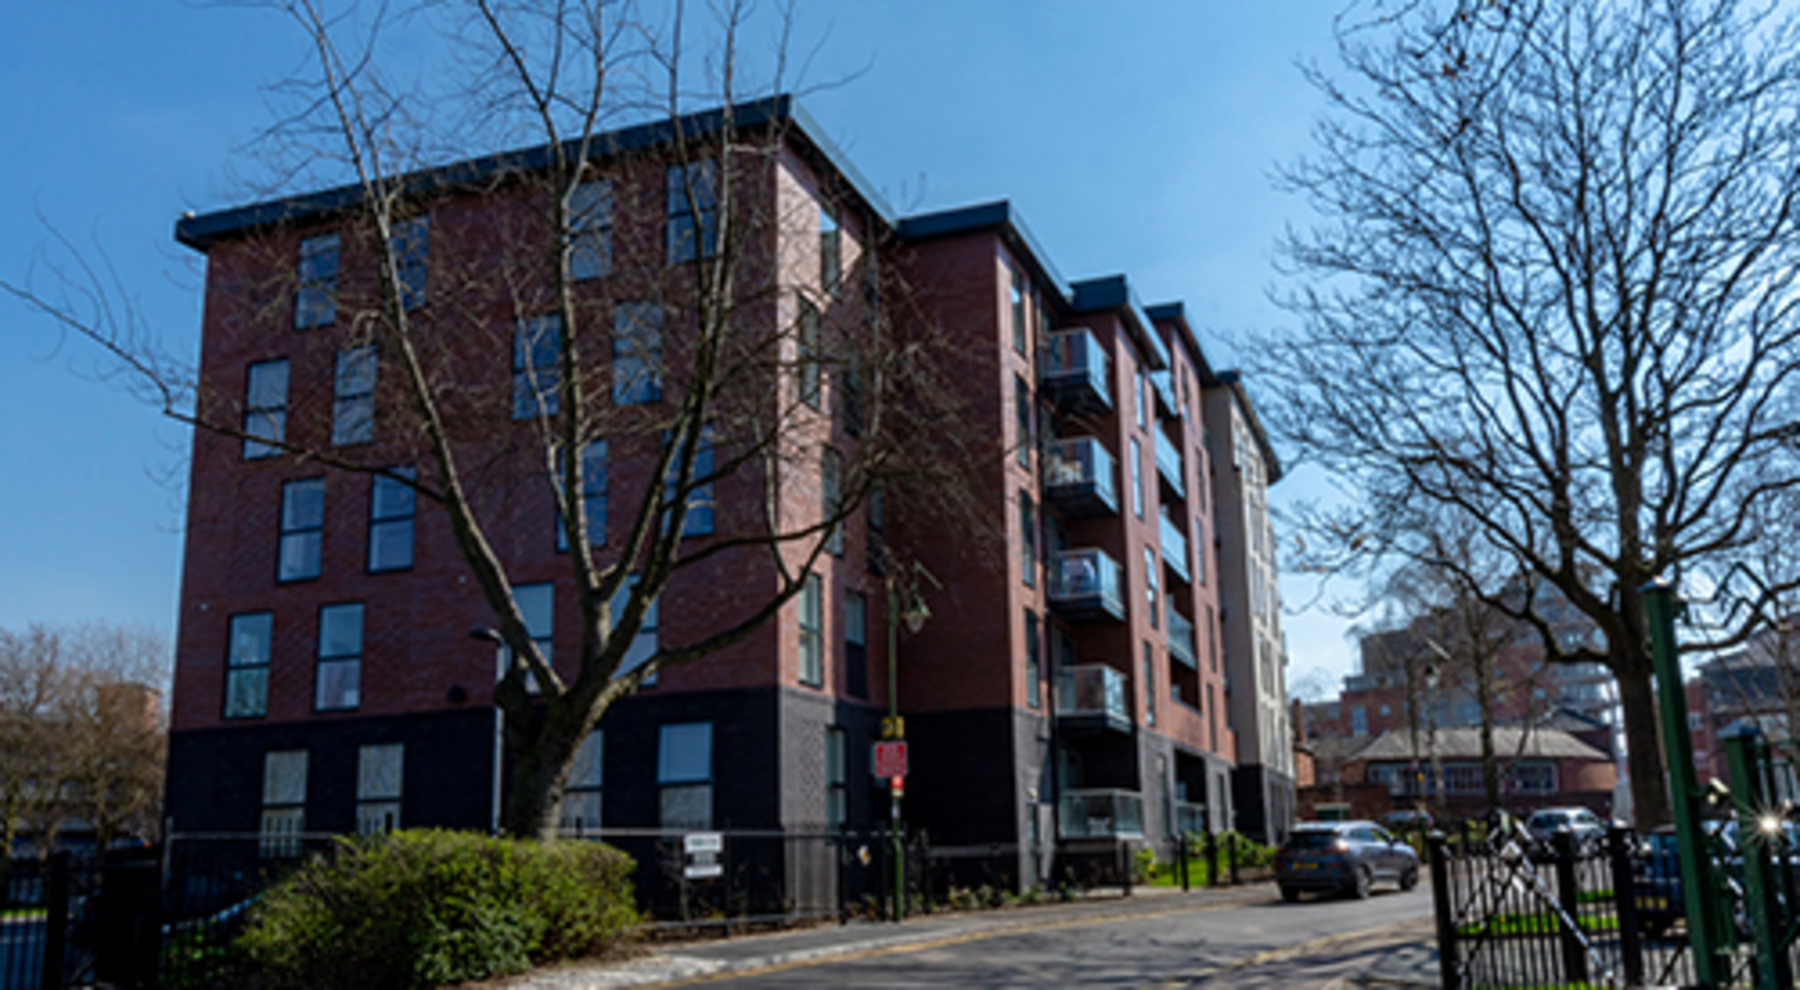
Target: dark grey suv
<point>1343,857</point>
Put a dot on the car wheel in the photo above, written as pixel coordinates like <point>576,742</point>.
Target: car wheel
<point>1409,878</point>
<point>1359,887</point>
<point>1290,894</point>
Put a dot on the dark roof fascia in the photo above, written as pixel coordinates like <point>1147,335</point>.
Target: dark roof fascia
<point>1175,314</point>
<point>1234,381</point>
<point>201,232</point>
<point>1113,292</point>
<point>998,215</point>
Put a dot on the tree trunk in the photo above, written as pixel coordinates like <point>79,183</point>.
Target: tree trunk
<point>543,753</point>
<point>1484,697</point>
<point>1649,788</point>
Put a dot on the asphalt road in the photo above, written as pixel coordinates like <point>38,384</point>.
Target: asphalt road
<point>1265,943</point>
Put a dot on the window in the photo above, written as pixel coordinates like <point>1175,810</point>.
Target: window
<point>831,255</point>
<point>1212,718</point>
<point>353,399</point>
<point>593,495</point>
<point>1137,478</point>
<point>1150,592</point>
<point>693,208</point>
<point>831,498</point>
<point>1212,640</point>
<point>856,649</point>
<point>1149,684</point>
<point>684,775</point>
<point>379,774</point>
<point>590,230</point>
<point>637,353</point>
<point>338,683</point>
<point>302,523</point>
<point>700,505</point>
<point>808,353</point>
<point>537,365</point>
<point>581,804</point>
<point>837,779</point>
<point>1018,310</point>
<point>283,802</point>
<point>315,296</point>
<point>1027,540</point>
<point>537,609</point>
<point>848,389</point>
<point>247,666</point>
<point>644,643</point>
<point>1022,421</point>
<point>1034,667</point>
<point>812,640</point>
<point>410,243</point>
<point>265,408</point>
<point>1137,398</point>
<point>391,506</point>
<point>875,519</point>
<point>1359,720</point>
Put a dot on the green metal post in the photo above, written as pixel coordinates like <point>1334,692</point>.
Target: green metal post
<point>1708,925</point>
<point>1745,756</point>
<point>893,693</point>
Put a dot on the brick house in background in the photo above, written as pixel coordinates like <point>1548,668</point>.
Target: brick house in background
<point>1069,691</point>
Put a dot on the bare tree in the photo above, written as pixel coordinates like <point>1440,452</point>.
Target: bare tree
<point>1554,294</point>
<point>31,690</point>
<point>701,360</point>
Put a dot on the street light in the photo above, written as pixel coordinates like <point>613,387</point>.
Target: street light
<point>902,586</point>
<point>493,636</point>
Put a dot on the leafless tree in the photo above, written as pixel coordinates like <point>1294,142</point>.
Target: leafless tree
<point>725,391</point>
<point>1554,293</point>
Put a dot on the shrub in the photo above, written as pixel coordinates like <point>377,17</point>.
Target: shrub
<point>425,908</point>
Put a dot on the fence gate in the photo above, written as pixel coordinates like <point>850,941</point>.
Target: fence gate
<point>47,937</point>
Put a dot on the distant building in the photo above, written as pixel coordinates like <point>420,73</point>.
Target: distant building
<point>1538,768</point>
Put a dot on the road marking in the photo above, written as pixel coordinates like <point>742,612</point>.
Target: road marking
<point>1023,928</point>
<point>1404,932</point>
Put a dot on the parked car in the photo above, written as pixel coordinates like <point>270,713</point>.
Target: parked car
<point>1343,857</point>
<point>1585,826</point>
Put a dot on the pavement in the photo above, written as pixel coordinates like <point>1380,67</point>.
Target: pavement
<point>1392,957</point>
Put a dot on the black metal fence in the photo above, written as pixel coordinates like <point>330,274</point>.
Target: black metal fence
<point>48,932</point>
<point>1607,913</point>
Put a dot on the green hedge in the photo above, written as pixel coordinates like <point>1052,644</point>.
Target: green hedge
<point>426,908</point>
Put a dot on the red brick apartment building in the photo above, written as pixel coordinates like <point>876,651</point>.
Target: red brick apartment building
<point>1071,689</point>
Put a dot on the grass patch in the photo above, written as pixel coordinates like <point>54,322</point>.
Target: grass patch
<point>1537,923</point>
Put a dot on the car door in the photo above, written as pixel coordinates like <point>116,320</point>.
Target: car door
<point>1391,858</point>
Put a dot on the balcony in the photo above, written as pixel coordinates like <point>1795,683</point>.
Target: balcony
<point>1168,463</point>
<point>1091,697</point>
<point>1074,373</point>
<point>1181,640</point>
<point>1165,393</point>
<point>1175,550</point>
<point>1078,478</point>
<point>1085,585</point>
<point>1100,814</point>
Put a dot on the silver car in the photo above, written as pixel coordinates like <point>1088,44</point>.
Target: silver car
<point>1585,826</point>
<point>1343,857</point>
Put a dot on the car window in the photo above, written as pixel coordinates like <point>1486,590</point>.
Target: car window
<point>1311,839</point>
<point>1382,836</point>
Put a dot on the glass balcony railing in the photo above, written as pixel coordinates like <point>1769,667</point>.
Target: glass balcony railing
<point>1168,463</point>
<point>1181,639</point>
<point>1092,695</point>
<point>1175,550</point>
<point>1078,478</point>
<point>1165,392</point>
<point>1100,814</point>
<point>1074,372</point>
<point>1085,584</point>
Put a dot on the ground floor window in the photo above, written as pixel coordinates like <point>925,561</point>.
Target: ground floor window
<point>684,775</point>
<point>283,802</point>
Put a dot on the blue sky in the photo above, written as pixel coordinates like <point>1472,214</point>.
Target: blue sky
<point>1135,137</point>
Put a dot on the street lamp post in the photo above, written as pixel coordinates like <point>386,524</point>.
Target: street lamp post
<point>904,584</point>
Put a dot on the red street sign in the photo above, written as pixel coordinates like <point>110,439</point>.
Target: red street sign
<point>890,758</point>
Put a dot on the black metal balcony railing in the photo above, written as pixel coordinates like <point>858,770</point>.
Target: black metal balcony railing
<point>1175,550</point>
<point>1092,696</point>
<point>1085,585</point>
<point>1074,372</point>
<point>1168,464</point>
<point>1181,640</point>
<point>1100,814</point>
<point>1078,478</point>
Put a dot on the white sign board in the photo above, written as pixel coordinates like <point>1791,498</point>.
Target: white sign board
<point>702,850</point>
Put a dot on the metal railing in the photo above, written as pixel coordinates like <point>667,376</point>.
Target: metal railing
<point>1100,814</point>
<point>1168,463</point>
<point>1080,469</point>
<point>1092,690</point>
<point>1175,549</point>
<point>1181,639</point>
<point>1074,367</point>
